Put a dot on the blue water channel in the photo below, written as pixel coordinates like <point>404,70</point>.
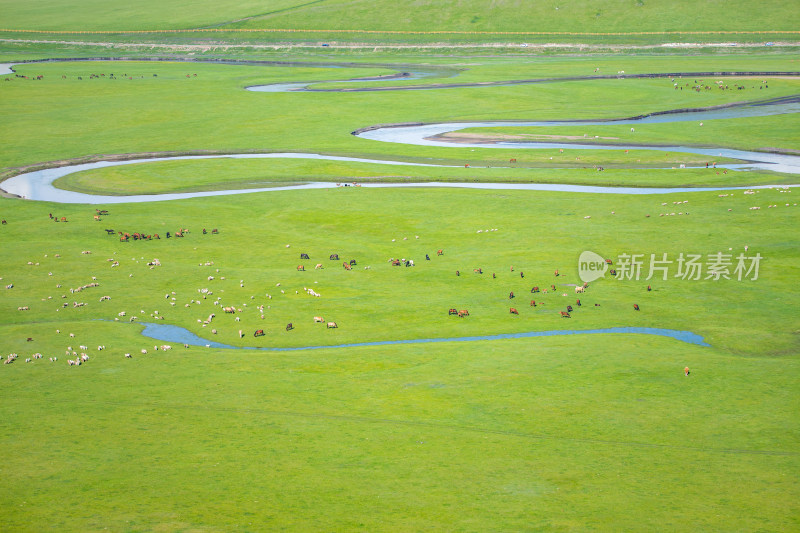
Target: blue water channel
<point>177,334</point>
<point>38,185</point>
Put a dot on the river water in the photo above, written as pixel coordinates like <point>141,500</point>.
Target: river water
<point>177,334</point>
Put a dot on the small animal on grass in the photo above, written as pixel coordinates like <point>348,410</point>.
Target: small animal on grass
<point>564,314</point>
<point>331,325</point>
<point>513,311</point>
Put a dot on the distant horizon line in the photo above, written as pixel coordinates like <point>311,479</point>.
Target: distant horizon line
<point>415,32</point>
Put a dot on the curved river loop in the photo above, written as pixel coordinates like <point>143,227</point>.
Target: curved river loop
<point>38,185</point>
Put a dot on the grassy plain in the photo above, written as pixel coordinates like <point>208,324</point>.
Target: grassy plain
<point>469,18</point>
<point>448,435</point>
<point>561,433</point>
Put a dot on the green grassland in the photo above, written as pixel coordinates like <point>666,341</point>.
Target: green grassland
<point>225,174</point>
<point>408,16</point>
<point>599,432</point>
<point>458,436</point>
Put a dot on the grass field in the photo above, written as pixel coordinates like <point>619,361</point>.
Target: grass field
<point>469,16</point>
<point>582,432</point>
<point>451,435</point>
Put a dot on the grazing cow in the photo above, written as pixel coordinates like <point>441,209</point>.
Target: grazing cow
<point>556,273</point>
<point>303,256</point>
<point>334,257</point>
<point>347,266</point>
<point>128,356</point>
<point>110,232</point>
<point>636,307</point>
<point>289,326</point>
<point>439,252</point>
<point>533,303</point>
<point>97,218</point>
<point>301,267</point>
<point>229,309</point>
<point>535,289</point>
<point>258,333</point>
<point>463,313</point>
<point>318,319</point>
<point>569,309</point>
<point>352,262</point>
<point>452,312</point>
<point>511,295</point>
<point>478,270</point>
<point>649,288</point>
<point>564,314</point>
<point>214,231</point>
<point>396,262</point>
<point>319,265</point>
<point>578,303</point>
<point>579,289</point>
<point>513,311</point>
<point>331,325</point>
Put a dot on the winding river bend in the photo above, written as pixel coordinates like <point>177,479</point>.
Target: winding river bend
<point>430,134</point>
<point>38,185</point>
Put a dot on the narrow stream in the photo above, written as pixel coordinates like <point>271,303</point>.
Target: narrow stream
<point>177,334</point>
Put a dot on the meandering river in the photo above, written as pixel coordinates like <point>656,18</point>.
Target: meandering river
<point>38,185</point>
